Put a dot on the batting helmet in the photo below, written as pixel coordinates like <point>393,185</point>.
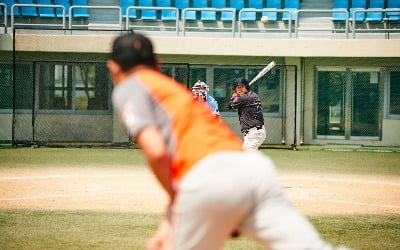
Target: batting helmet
<point>241,81</point>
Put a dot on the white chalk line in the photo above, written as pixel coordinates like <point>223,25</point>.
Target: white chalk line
<point>341,180</point>
<point>362,203</point>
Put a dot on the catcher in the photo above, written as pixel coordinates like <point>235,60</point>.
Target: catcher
<point>200,91</point>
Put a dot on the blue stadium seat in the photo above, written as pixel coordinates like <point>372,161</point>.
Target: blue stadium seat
<point>292,6</point>
<point>28,11</point>
<point>340,5</point>
<point>9,4</point>
<point>358,5</point>
<point>375,16</point>
<point>212,15</point>
<point>392,16</point>
<point>251,16</point>
<point>125,4</point>
<point>228,16</point>
<point>204,15</point>
<point>66,5</point>
<point>148,15</point>
<point>183,4</point>
<point>166,15</point>
<point>273,5</point>
<point>80,13</point>
<point>46,12</point>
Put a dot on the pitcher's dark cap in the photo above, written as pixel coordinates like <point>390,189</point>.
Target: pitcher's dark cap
<point>131,50</point>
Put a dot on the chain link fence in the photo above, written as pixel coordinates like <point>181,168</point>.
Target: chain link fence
<point>65,98</point>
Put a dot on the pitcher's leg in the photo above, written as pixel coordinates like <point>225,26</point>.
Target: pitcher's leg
<point>274,222</point>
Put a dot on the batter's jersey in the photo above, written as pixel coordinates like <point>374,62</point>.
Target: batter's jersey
<point>249,110</point>
<point>191,132</point>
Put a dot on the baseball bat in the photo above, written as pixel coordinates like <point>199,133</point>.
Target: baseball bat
<point>263,72</point>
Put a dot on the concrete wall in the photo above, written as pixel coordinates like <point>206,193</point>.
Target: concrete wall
<point>255,47</point>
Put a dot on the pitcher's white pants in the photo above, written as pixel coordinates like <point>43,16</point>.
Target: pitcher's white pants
<point>238,190</point>
<point>254,138</point>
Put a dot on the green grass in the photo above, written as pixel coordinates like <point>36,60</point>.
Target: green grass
<point>360,231</point>
<point>347,162</point>
<point>70,157</point>
<point>22,229</point>
<point>30,229</point>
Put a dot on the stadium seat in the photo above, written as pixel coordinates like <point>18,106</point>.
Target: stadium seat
<point>273,5</point>
<point>392,16</point>
<point>166,15</point>
<point>147,15</point>
<point>251,16</point>
<point>189,15</point>
<point>292,6</point>
<point>375,16</point>
<point>66,5</point>
<point>340,5</point>
<point>125,4</point>
<point>204,15</point>
<point>9,4</point>
<point>46,12</point>
<point>80,13</point>
<point>358,5</point>
<point>183,4</point>
<point>228,16</point>
<point>212,15</point>
<point>28,11</point>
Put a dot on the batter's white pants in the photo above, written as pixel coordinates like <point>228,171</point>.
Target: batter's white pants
<point>238,190</point>
<point>254,138</point>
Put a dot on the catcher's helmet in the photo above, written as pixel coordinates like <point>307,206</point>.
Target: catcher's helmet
<point>200,86</point>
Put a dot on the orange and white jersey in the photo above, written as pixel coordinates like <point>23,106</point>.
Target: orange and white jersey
<point>150,98</point>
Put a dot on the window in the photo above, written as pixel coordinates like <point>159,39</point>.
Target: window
<point>330,110</point>
<point>179,72</point>
<point>394,93</point>
<point>268,88</point>
<point>348,102</point>
<point>24,86</point>
<point>197,73</point>
<point>83,86</point>
<point>6,89</point>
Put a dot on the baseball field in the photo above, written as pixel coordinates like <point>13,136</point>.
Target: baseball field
<point>102,198</point>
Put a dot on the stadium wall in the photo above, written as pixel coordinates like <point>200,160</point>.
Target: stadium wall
<point>305,54</point>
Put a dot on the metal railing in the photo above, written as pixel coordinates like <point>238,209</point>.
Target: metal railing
<point>240,24</point>
<point>128,20</point>
<point>385,14</point>
<point>349,23</point>
<point>302,11</point>
<point>13,23</point>
<point>232,28</point>
<point>102,25</point>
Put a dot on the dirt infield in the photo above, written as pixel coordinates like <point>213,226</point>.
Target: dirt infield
<point>137,191</point>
